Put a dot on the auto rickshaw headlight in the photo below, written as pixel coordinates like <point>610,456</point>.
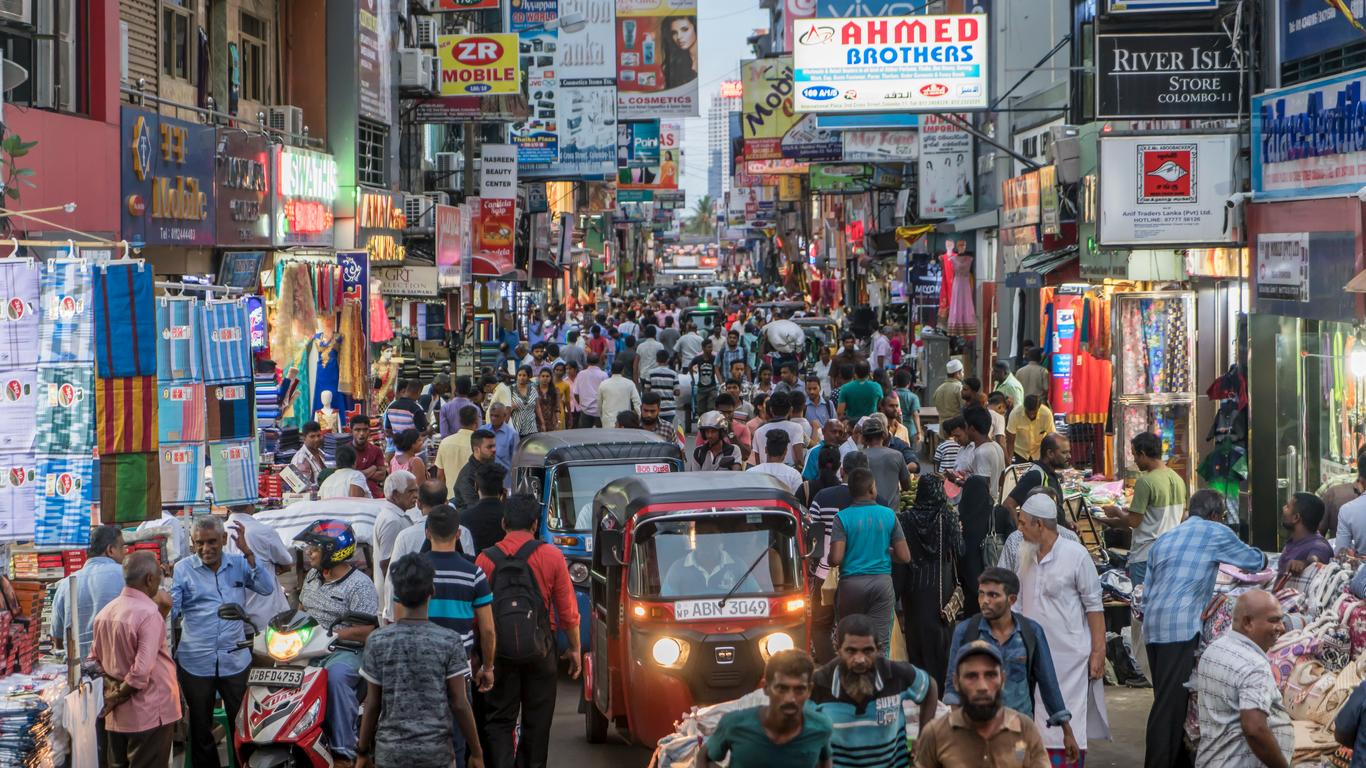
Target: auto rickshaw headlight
<point>774,644</point>
<point>578,573</point>
<point>670,652</point>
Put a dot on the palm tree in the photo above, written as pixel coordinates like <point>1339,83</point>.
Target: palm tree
<point>702,221</point>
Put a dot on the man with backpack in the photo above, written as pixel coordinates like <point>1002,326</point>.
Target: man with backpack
<point>530,579</point>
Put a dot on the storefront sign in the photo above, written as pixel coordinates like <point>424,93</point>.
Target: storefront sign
<point>881,146</point>
<point>448,245</point>
<point>528,15</point>
<point>1311,27</point>
<point>766,108</point>
<point>355,274</point>
<point>497,211</point>
<point>1171,190</point>
<point>1020,201</point>
<point>841,179</point>
<point>380,222</point>
<point>498,171</point>
<point>1197,74</point>
<point>1050,214</point>
<point>408,281</point>
<point>375,76</point>
<point>537,138</point>
<point>473,65</point>
<point>243,189</point>
<point>167,180</point>
<point>657,65</point>
<point>450,110</point>
<point>305,191</point>
<point>945,169</point>
<point>1283,266</point>
<point>466,5</point>
<point>241,269</point>
<point>1310,140</point>
<point>899,63</point>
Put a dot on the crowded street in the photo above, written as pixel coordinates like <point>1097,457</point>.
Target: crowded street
<point>682,383</point>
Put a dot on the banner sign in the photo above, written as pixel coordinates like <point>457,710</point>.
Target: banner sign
<point>1020,201</point>
<point>656,59</point>
<point>895,64</point>
<point>1283,266</point>
<point>528,15</point>
<point>497,210</point>
<point>1307,140</point>
<point>375,76</point>
<point>420,282</point>
<point>305,193</point>
<point>584,101</point>
<point>243,189</point>
<point>881,146</point>
<point>448,245</point>
<point>466,5</point>
<point>945,169</point>
<point>841,179</point>
<point>1157,6</point>
<point>380,222</point>
<point>537,139</point>
<point>827,9</point>
<point>1196,74</point>
<point>1165,190</point>
<point>1050,209</point>
<point>167,180</point>
<point>884,121</point>
<point>1311,27</point>
<point>474,65</point>
<point>769,127</point>
<point>450,110</point>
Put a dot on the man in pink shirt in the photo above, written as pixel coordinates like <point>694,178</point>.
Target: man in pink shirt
<point>142,697</point>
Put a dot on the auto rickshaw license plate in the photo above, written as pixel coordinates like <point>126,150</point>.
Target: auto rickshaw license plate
<point>735,608</point>
<point>276,677</point>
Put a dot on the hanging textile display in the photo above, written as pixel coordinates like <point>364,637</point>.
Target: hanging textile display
<point>230,411</point>
<point>235,480</point>
<point>125,321</point>
<point>225,340</point>
<point>130,488</point>
<point>1076,339</point>
<point>19,332</point>
<point>19,409</point>
<point>180,413</point>
<point>127,410</point>
<point>182,474</point>
<point>66,409</point>
<point>18,488</point>
<point>962,319</point>
<point>64,498</point>
<point>66,329</point>
<point>178,345</point>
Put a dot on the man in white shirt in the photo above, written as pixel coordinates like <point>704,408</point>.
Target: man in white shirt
<point>982,455</point>
<point>689,345</point>
<point>775,448</point>
<point>346,481</point>
<point>881,356</point>
<point>413,539</point>
<point>779,408</point>
<point>308,462</point>
<point>265,543</point>
<point>647,353</point>
<point>400,495</point>
<point>615,395</point>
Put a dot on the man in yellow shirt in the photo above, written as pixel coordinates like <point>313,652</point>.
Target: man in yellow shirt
<point>454,451</point>
<point>1026,427</point>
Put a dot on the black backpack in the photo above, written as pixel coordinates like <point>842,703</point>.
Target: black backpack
<point>521,619</point>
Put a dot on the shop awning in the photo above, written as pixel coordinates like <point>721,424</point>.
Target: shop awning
<point>1034,267</point>
<point>1356,284</point>
<point>971,222</point>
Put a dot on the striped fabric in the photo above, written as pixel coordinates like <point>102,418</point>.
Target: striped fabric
<point>130,488</point>
<point>182,474</point>
<point>231,411</point>
<point>67,328</point>
<point>178,345</point>
<point>225,342</point>
<point>234,472</point>
<point>180,412</point>
<point>18,486</point>
<point>125,321</point>
<point>65,492</point>
<point>19,321</point>
<point>127,414</point>
<point>66,410</point>
<point>18,409</point>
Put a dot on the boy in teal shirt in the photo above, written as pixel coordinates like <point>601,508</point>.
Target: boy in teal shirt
<point>801,735</point>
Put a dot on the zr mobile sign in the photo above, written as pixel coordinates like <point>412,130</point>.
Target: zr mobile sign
<point>892,64</point>
<point>479,65</point>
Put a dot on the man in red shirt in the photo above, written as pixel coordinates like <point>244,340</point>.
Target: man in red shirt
<point>597,344</point>
<point>528,687</point>
<point>369,457</point>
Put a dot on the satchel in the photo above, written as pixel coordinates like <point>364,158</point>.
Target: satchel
<point>948,612</point>
<point>993,543</point>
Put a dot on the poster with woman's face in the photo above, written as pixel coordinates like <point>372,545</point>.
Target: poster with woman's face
<point>657,64</point>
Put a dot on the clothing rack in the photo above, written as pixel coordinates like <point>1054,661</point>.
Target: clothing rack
<point>224,289</point>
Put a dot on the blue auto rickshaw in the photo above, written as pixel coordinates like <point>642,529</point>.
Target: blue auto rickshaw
<point>564,469</point>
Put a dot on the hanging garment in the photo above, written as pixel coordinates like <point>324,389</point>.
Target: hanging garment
<point>180,413</point>
<point>130,488</point>
<point>18,410</point>
<point>325,362</point>
<point>18,488</point>
<point>64,495</point>
<point>1063,342</point>
<point>353,359</point>
<point>225,342</point>
<point>946,273</point>
<point>962,303</point>
<point>125,321</point>
<point>67,328</point>
<point>234,472</point>
<point>182,474</point>
<point>381,330</point>
<point>231,410</point>
<point>66,409</point>
<point>126,410</point>
<point>19,323</point>
<point>178,343</point>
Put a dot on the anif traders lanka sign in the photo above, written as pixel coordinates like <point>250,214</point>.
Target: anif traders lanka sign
<point>891,64</point>
<point>478,65</point>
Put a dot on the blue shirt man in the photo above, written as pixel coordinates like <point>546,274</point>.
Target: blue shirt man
<point>505,439</point>
<point>98,582</point>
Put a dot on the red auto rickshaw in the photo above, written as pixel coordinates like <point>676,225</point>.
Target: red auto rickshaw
<point>696,581</point>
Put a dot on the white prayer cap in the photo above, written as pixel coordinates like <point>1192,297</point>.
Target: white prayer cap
<point>1042,506</point>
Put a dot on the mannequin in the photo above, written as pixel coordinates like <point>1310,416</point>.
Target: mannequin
<point>326,416</point>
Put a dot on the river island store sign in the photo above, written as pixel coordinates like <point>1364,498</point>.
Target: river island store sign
<point>167,180</point>
<point>305,191</point>
<point>1198,74</point>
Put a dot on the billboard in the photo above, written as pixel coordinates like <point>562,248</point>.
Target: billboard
<point>1178,75</point>
<point>873,146</point>
<point>478,65</point>
<point>892,64</point>
<point>945,169</point>
<point>771,130</point>
<point>1165,190</point>
<point>656,59</point>
<point>497,211</point>
<point>167,180</point>
<point>1308,140</point>
<point>375,80</point>
<point>649,158</point>
<point>1311,27</point>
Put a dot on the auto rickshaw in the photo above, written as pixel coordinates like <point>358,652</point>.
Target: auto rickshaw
<point>704,316</point>
<point>696,581</point>
<point>564,468</point>
<point>820,332</point>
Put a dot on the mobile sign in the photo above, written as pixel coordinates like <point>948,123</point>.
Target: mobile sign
<point>479,65</point>
<point>893,64</point>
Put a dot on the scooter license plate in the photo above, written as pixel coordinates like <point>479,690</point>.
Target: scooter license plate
<point>276,677</point>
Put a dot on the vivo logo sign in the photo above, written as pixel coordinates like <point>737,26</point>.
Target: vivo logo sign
<point>820,93</point>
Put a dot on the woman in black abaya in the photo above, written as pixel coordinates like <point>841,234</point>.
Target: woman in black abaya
<point>936,541</point>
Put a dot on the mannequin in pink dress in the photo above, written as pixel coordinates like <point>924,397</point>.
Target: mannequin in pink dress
<point>962,303</point>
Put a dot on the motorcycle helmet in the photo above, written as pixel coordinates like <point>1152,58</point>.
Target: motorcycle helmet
<point>334,538</point>
<point>712,420</point>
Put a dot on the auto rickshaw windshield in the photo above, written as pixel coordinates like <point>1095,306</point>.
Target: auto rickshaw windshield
<point>708,555</point>
<point>574,486</point>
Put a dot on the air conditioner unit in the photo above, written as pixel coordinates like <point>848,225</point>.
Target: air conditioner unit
<point>15,10</point>
<point>285,119</point>
<point>450,162</point>
<point>413,208</point>
<point>440,198</point>
<point>425,31</point>
<point>428,219</point>
<point>432,66</point>
<point>413,69</point>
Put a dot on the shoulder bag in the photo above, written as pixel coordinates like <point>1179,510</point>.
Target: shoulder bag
<point>949,611</point>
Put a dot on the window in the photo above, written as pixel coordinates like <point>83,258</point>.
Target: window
<point>371,155</point>
<point>254,62</point>
<point>50,50</point>
<point>176,39</point>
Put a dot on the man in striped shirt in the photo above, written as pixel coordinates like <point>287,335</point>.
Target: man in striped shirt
<point>663,381</point>
<point>463,599</point>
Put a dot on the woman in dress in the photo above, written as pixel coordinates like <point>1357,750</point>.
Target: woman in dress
<point>408,454</point>
<point>549,409</point>
<point>524,403</point>
<point>936,542</point>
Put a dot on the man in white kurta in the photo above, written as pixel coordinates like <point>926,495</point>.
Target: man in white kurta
<point>1060,590</point>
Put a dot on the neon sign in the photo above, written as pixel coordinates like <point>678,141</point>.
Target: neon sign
<point>306,186</point>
